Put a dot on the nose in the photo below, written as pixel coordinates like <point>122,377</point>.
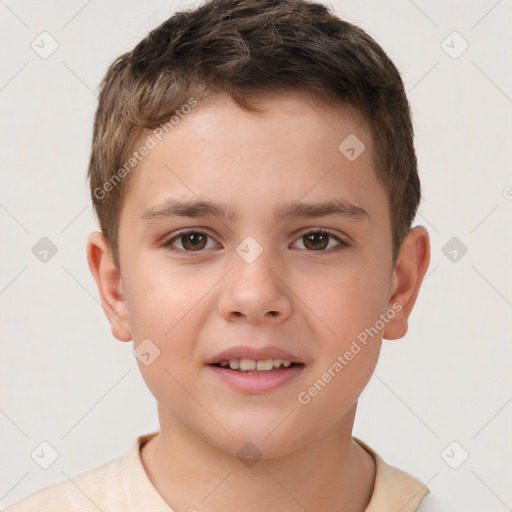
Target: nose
<point>255,292</point>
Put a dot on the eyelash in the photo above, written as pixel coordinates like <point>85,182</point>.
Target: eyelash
<point>342,243</point>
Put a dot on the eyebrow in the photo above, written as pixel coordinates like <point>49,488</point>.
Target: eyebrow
<point>197,208</point>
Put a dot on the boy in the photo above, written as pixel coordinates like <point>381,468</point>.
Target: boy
<point>254,176</point>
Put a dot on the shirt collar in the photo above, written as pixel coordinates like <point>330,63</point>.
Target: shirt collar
<point>394,490</point>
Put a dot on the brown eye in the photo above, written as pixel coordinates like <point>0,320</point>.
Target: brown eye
<point>321,240</point>
<point>191,241</point>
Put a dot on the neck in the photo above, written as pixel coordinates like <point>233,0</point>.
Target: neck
<point>332,472</point>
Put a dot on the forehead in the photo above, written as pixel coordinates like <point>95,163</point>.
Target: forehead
<point>298,146</point>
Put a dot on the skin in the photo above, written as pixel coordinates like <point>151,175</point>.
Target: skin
<point>191,306</point>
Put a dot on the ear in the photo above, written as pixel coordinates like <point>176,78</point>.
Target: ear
<point>108,281</point>
<point>410,269</point>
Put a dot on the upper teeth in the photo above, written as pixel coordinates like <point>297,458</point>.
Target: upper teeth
<point>252,364</point>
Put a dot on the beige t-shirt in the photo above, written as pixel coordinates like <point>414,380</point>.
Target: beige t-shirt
<point>122,485</point>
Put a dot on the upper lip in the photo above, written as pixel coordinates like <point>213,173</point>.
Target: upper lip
<point>257,354</point>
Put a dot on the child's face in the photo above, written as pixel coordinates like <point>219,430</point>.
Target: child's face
<point>301,294</point>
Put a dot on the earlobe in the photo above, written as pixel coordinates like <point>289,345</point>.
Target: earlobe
<point>108,281</point>
<point>410,269</point>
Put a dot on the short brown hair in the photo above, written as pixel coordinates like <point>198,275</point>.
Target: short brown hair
<point>247,48</point>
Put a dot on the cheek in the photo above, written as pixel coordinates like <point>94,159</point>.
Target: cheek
<point>168,306</point>
<point>345,302</point>
<point>349,345</point>
<point>163,309</point>
<point>349,305</point>
<point>161,297</point>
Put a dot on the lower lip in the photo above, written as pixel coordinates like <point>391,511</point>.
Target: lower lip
<point>257,383</point>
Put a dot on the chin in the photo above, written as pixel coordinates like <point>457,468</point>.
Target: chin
<point>261,437</point>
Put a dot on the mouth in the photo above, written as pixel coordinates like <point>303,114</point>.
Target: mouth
<point>252,370</point>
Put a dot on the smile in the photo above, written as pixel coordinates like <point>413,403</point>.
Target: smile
<point>256,376</point>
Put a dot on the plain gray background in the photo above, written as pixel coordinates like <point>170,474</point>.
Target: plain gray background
<point>65,380</point>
